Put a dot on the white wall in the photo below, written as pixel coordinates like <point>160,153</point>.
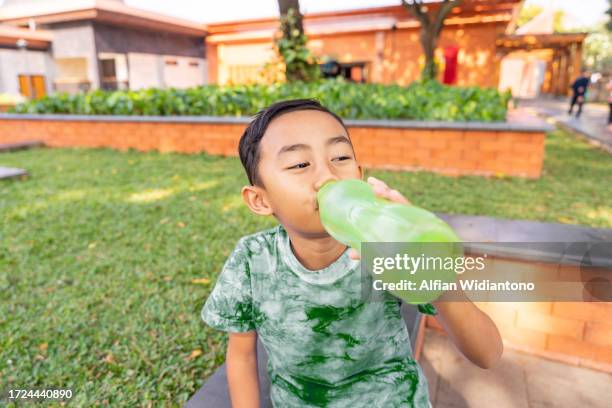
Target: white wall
<point>16,62</point>
<point>144,70</point>
<point>184,75</point>
<point>150,70</point>
<point>77,41</point>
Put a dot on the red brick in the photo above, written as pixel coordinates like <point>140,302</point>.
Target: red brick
<point>599,333</point>
<point>588,311</point>
<point>572,347</point>
<point>550,324</point>
<point>526,337</point>
<point>539,307</point>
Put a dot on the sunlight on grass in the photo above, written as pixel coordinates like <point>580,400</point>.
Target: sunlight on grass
<point>150,195</point>
<point>203,186</point>
<point>602,214</point>
<point>232,203</point>
<point>158,194</point>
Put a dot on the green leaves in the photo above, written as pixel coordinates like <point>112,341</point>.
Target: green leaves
<point>427,100</point>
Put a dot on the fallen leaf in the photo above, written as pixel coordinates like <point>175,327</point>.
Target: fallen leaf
<point>180,224</point>
<point>43,347</point>
<point>167,278</point>
<point>109,358</point>
<point>195,353</point>
<point>203,281</point>
<point>165,220</point>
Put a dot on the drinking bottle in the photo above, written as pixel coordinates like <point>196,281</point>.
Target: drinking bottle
<point>351,212</point>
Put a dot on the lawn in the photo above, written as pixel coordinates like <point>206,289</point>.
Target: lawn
<point>106,258</point>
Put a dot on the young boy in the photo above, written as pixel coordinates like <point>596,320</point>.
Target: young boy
<point>300,290</point>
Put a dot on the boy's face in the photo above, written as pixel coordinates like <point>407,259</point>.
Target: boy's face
<point>299,152</point>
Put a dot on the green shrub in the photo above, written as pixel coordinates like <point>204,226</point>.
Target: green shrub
<point>419,101</point>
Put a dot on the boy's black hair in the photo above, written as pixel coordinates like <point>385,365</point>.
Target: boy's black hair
<point>248,148</point>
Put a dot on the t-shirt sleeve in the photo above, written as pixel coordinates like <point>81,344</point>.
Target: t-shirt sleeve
<point>229,306</point>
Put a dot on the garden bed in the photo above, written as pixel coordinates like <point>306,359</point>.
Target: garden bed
<point>514,147</point>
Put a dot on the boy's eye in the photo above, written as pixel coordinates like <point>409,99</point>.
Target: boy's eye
<point>299,166</point>
<point>339,158</point>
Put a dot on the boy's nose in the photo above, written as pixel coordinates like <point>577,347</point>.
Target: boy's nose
<point>323,180</point>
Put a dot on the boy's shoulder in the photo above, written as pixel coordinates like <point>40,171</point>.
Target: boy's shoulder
<point>258,241</point>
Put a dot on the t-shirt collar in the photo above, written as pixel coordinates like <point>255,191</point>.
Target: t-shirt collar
<point>330,274</point>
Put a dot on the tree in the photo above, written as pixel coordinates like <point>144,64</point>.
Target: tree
<point>300,65</point>
<point>609,13</point>
<point>527,13</point>
<point>431,26</point>
<point>598,49</point>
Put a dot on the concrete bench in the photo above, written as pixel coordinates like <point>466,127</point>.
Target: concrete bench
<point>12,172</point>
<point>215,394</point>
<point>27,144</point>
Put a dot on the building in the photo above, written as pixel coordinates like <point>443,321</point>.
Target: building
<point>25,60</point>
<point>77,45</point>
<point>376,45</point>
<point>73,45</point>
<point>539,61</point>
<point>382,45</point>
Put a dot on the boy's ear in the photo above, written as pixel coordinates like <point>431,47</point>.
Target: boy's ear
<point>255,198</point>
<point>360,172</point>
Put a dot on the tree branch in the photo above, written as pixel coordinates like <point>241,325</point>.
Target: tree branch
<point>443,11</point>
<point>414,7</point>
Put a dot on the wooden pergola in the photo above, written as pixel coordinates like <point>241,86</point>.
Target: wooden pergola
<point>566,55</point>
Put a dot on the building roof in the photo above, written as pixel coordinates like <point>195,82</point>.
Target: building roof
<point>36,39</point>
<point>539,41</point>
<point>543,23</point>
<point>108,11</point>
<point>361,20</point>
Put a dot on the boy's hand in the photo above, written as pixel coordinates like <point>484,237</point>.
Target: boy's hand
<point>382,190</point>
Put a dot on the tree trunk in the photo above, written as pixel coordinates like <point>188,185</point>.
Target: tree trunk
<point>284,6</point>
<point>431,26</point>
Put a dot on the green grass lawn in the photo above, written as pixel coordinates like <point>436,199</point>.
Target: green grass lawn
<point>106,258</point>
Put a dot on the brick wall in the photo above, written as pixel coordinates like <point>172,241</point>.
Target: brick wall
<point>577,333</point>
<point>446,151</point>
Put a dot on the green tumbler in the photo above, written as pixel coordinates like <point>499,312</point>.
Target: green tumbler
<point>352,213</point>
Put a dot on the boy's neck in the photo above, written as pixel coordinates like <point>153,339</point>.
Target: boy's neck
<point>315,253</point>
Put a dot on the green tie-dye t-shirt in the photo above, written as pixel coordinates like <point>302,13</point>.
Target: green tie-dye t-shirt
<point>328,345</point>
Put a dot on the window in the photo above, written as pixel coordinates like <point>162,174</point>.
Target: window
<point>194,64</point>
<point>32,86</point>
<point>171,62</point>
<point>113,71</point>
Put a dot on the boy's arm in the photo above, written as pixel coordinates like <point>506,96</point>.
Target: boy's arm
<point>472,331</point>
<point>241,361</point>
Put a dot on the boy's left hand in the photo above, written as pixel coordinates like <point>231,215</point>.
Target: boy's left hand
<point>382,190</point>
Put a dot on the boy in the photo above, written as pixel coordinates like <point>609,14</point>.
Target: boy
<point>300,290</point>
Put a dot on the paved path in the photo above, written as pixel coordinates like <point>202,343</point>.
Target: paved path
<point>518,381</point>
<point>592,123</point>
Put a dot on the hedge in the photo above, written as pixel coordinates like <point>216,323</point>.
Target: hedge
<point>419,101</point>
